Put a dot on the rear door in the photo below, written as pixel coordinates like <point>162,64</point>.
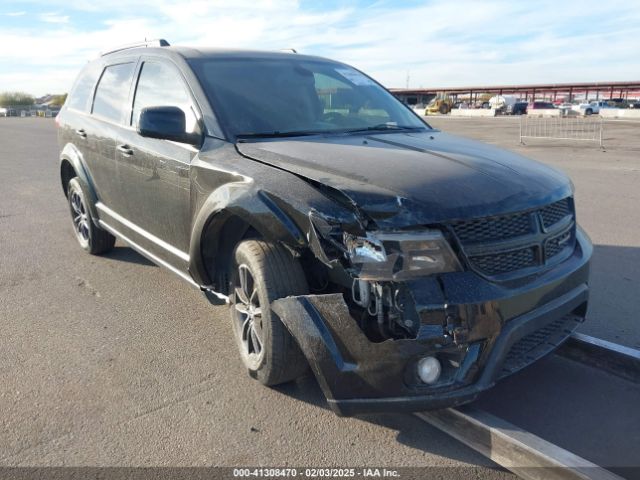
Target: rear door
<point>103,127</point>
<point>75,120</point>
<point>153,173</point>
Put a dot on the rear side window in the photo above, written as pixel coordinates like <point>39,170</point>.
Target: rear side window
<point>113,91</point>
<point>161,85</point>
<point>82,89</point>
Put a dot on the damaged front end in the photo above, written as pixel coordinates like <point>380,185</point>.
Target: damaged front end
<point>400,323</point>
<point>377,272</point>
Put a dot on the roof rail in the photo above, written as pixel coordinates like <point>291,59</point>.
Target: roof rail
<point>290,50</point>
<point>159,42</point>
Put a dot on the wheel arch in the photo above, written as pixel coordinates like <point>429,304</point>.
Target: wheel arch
<point>224,220</point>
<point>67,172</point>
<point>72,165</point>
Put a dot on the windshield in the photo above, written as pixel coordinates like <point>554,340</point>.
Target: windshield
<point>264,97</point>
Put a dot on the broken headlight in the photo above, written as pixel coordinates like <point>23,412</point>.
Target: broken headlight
<point>400,255</point>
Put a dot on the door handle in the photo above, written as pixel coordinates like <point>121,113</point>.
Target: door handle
<point>125,150</point>
<point>80,132</point>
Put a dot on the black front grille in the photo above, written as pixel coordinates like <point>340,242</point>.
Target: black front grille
<point>506,262</point>
<point>533,238</point>
<point>555,212</point>
<point>496,228</point>
<point>556,244</point>
<point>537,344</point>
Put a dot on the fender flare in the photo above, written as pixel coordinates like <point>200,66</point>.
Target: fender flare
<point>73,156</point>
<point>256,208</point>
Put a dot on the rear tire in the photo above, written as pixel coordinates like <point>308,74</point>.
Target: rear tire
<point>91,238</point>
<point>263,272</point>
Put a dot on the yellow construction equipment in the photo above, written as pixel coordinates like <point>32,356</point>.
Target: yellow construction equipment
<point>440,104</point>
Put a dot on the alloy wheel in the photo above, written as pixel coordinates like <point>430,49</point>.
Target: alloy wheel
<point>248,317</point>
<point>80,218</point>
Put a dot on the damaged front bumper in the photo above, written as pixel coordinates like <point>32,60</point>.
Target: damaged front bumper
<point>497,329</point>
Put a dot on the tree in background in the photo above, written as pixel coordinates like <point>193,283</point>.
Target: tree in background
<point>16,98</point>
<point>58,100</point>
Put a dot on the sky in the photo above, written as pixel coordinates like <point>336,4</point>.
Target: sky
<point>44,43</point>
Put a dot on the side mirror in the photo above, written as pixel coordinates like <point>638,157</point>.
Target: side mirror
<point>166,123</point>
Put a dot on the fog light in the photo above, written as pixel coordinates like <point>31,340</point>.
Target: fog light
<point>429,370</point>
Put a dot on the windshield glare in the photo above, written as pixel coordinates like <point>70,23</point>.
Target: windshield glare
<point>263,96</point>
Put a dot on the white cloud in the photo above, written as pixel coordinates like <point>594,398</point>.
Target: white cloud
<point>54,18</point>
<point>440,43</point>
<point>15,14</point>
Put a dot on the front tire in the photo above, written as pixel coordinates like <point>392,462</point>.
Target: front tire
<point>91,238</point>
<point>263,272</point>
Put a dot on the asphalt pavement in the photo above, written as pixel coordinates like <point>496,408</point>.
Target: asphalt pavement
<point>112,361</point>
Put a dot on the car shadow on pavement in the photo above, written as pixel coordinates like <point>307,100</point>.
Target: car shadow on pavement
<point>128,255</point>
<point>411,431</point>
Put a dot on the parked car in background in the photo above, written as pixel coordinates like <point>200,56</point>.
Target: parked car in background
<point>590,108</point>
<point>634,103</point>
<point>617,103</point>
<point>587,108</point>
<point>3,112</point>
<point>565,107</point>
<point>538,105</point>
<point>518,108</point>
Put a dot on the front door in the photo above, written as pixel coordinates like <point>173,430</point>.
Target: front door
<point>153,173</point>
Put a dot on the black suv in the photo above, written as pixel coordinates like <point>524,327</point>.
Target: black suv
<point>410,269</point>
<point>518,108</point>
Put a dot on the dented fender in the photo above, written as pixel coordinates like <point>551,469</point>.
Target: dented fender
<point>254,208</point>
<point>222,190</point>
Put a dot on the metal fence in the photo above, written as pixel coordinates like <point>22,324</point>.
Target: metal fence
<point>28,111</point>
<point>587,129</point>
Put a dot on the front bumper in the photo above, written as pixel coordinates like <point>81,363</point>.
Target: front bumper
<point>505,327</point>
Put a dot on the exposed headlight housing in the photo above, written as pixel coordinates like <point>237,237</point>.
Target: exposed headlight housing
<point>364,250</point>
<point>400,255</point>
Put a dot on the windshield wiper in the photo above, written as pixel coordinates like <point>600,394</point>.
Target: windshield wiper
<point>277,134</point>
<point>382,127</point>
<point>301,133</point>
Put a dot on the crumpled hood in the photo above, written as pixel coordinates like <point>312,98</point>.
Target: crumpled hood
<point>403,179</point>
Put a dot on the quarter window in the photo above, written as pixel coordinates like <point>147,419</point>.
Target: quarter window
<point>81,92</point>
<point>161,85</point>
<point>113,91</point>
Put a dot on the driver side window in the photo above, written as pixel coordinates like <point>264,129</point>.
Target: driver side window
<point>160,84</point>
